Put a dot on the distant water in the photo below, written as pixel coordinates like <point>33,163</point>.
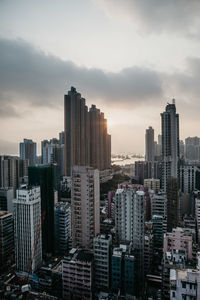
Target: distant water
<point>126,161</point>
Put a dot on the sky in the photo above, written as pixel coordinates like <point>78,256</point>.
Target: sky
<point>128,57</point>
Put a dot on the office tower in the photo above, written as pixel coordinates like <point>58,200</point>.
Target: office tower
<point>85,206</point>
<point>159,204</point>
<point>6,199</point>
<point>12,171</point>
<point>101,249</point>
<point>149,144</point>
<point>179,239</point>
<point>152,184</point>
<point>27,220</point>
<point>6,240</point>
<point>173,205</point>
<point>79,285</point>
<point>62,227</point>
<point>44,176</point>
<point>28,150</point>
<point>123,270</point>
<point>170,143</point>
<point>87,142</point>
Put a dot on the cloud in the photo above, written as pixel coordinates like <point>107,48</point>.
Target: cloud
<point>30,77</point>
<point>180,16</point>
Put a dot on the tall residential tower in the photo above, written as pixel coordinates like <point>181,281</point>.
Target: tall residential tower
<point>170,143</point>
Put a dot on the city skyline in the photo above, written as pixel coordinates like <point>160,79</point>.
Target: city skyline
<point>130,70</point>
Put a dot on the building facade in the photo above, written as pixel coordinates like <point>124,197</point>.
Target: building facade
<point>6,240</point>
<point>102,255</point>
<point>28,150</point>
<point>44,176</point>
<point>77,275</point>
<point>62,227</point>
<point>87,142</point>
<point>170,143</point>
<point>27,218</point>
<point>85,206</point>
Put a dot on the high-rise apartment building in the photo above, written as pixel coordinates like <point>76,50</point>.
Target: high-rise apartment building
<point>12,171</point>
<point>170,143</point>
<point>188,178</point>
<point>85,206</point>
<point>149,144</point>
<point>44,176</point>
<point>130,224</point>
<point>173,204</point>
<point>6,240</point>
<point>102,255</point>
<point>27,215</point>
<point>159,204</point>
<point>28,150</point>
<point>87,142</point>
<point>129,208</point>
<point>192,145</point>
<point>145,170</point>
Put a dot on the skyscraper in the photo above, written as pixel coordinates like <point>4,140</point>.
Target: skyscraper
<point>87,142</point>
<point>44,176</point>
<point>27,214</point>
<point>149,144</point>
<point>85,206</point>
<point>28,150</point>
<point>77,133</point>
<point>170,143</point>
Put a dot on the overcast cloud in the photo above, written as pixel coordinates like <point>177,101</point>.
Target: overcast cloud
<point>30,77</point>
<point>180,16</point>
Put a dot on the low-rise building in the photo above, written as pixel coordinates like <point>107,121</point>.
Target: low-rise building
<point>77,275</point>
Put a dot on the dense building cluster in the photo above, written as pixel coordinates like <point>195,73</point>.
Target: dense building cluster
<point>73,226</point>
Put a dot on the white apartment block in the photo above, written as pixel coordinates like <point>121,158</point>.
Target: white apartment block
<point>85,206</point>
<point>27,214</point>
<point>130,216</point>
